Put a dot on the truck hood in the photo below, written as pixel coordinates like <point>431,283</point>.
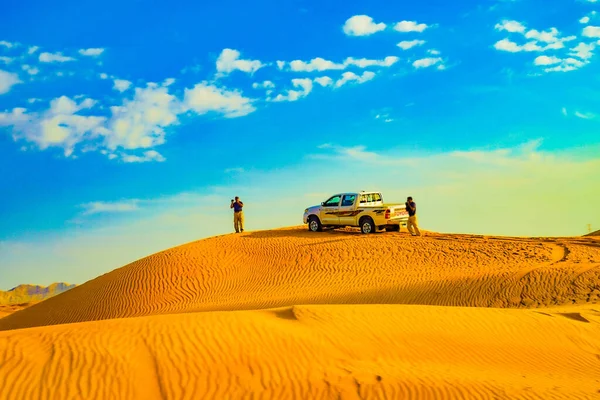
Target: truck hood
<point>313,208</point>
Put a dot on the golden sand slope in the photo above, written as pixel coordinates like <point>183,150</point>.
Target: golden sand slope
<point>293,266</point>
<point>311,352</point>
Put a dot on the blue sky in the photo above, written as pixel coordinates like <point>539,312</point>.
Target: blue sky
<point>126,128</point>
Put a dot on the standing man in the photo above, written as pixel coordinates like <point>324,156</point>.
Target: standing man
<point>238,215</point>
<point>411,207</point>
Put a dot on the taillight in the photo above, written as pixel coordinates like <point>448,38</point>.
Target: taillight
<point>387,214</point>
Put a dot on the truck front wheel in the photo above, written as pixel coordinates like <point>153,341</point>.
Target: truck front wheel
<point>314,225</point>
<point>367,225</point>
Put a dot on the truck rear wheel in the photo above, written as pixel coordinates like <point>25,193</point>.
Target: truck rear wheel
<point>367,225</point>
<point>314,225</point>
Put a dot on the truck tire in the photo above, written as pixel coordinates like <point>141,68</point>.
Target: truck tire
<point>367,225</point>
<point>314,225</point>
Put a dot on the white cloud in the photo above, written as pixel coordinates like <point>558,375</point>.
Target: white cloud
<point>121,85</point>
<point>324,81</point>
<point>507,45</point>
<point>407,44</point>
<point>280,64</point>
<point>433,52</point>
<point>30,70</point>
<point>9,45</point>
<point>316,64</point>
<point>204,98</point>
<point>7,81</point>
<point>510,26</point>
<point>32,49</point>
<point>103,76</point>
<point>566,65</point>
<point>140,123</point>
<point>306,86</point>
<point>583,51</point>
<point>409,26</point>
<point>591,31</point>
<point>98,207</point>
<point>564,111</point>
<point>168,82</point>
<point>59,126</point>
<point>91,52</point>
<point>263,85</point>
<point>229,61</point>
<point>426,62</point>
<point>362,25</point>
<point>147,156</point>
<point>545,60</point>
<point>352,77</point>
<point>364,62</point>
<point>54,57</point>
<point>6,60</point>
<point>320,64</point>
<point>584,20</point>
<point>587,115</point>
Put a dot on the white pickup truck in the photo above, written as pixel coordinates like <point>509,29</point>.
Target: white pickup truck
<point>362,209</point>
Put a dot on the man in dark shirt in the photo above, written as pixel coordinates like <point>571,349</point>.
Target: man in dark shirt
<point>411,207</point>
<point>238,215</point>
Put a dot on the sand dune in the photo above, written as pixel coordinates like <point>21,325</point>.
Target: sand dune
<point>32,293</point>
<point>312,352</point>
<point>12,308</point>
<point>293,266</point>
<point>337,315</point>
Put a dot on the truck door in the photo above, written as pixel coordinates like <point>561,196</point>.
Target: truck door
<point>330,209</point>
<point>347,211</point>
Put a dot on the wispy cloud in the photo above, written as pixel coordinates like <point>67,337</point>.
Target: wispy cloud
<point>229,60</point>
<point>409,44</point>
<point>91,52</point>
<point>586,115</point>
<point>99,207</point>
<point>7,81</point>
<point>541,41</point>
<point>54,57</point>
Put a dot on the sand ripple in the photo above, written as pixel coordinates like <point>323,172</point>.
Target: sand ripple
<point>292,266</point>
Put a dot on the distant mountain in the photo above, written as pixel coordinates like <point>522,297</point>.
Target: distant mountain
<point>32,293</point>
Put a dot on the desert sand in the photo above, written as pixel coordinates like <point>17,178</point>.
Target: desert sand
<point>293,314</point>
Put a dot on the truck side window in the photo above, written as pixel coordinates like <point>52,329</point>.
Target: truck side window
<point>332,202</point>
<point>348,200</point>
<point>376,197</point>
<point>363,199</point>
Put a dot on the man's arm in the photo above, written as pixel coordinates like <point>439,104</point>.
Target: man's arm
<point>241,203</point>
<point>231,206</point>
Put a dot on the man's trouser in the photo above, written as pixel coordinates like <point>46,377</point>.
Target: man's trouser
<point>238,221</point>
<point>412,223</point>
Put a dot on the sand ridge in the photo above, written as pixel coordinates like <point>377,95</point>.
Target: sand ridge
<point>292,266</point>
<point>316,352</point>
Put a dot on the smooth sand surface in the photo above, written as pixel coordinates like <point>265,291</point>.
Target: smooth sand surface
<point>327,315</point>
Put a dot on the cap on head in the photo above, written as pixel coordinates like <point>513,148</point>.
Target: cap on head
<point>409,198</point>
<point>236,197</point>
